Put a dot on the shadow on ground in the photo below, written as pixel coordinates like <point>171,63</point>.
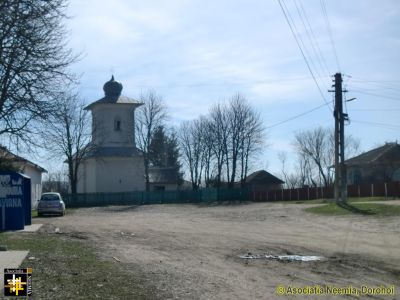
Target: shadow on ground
<point>355,210</point>
<point>121,208</point>
<point>223,203</point>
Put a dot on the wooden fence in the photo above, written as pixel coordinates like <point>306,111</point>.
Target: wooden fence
<point>389,189</point>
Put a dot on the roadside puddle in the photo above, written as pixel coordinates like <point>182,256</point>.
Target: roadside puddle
<point>286,258</point>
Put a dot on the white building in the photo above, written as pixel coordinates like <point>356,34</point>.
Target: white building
<point>28,168</point>
<point>114,164</point>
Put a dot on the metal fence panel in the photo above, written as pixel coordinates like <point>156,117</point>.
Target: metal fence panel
<point>155,197</point>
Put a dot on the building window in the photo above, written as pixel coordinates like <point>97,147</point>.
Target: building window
<point>117,124</point>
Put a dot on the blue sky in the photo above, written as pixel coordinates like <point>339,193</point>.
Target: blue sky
<point>195,53</point>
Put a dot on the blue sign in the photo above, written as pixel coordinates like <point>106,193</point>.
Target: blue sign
<point>15,201</point>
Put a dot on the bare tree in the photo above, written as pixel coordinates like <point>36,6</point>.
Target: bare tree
<point>67,134</point>
<point>316,149</point>
<point>219,130</point>
<point>282,156</point>
<point>56,182</point>
<point>242,138</point>
<point>191,144</point>
<point>33,63</point>
<point>223,142</point>
<point>252,140</point>
<point>207,144</point>
<point>150,116</point>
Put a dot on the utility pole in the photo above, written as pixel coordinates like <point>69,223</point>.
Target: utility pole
<point>340,117</point>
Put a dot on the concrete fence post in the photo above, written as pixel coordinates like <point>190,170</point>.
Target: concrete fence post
<point>372,189</point>
<point>386,190</point>
<point>359,191</point>
<point>298,195</point>
<point>308,193</point>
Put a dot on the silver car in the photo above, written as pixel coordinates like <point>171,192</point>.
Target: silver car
<point>51,203</point>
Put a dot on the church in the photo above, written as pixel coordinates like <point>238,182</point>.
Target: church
<point>113,164</point>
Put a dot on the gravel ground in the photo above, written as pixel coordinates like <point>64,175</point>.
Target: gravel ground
<point>192,252</point>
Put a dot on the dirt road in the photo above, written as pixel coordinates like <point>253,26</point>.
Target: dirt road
<point>191,252</point>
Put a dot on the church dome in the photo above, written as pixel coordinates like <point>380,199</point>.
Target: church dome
<point>112,88</point>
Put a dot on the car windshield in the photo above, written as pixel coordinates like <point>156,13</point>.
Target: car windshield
<point>50,197</point>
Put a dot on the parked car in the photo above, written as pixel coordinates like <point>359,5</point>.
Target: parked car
<point>51,203</point>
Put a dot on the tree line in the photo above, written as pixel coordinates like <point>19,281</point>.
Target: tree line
<point>315,157</point>
<point>218,148</point>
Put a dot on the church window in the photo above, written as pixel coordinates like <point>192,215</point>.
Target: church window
<point>117,124</point>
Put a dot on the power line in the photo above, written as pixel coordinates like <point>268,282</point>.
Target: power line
<point>297,116</point>
<point>376,95</point>
<point>376,88</point>
<point>200,84</point>
<point>328,26</point>
<point>380,125</point>
<point>376,109</point>
<point>377,81</point>
<point>310,34</point>
<point>303,45</point>
<point>302,52</point>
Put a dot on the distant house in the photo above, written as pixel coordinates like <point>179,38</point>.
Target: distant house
<point>381,164</point>
<point>164,179</point>
<point>262,181</point>
<point>28,168</point>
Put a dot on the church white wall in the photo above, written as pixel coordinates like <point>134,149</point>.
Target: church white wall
<point>120,174</point>
<point>87,177</point>
<point>111,175</point>
<point>104,131</point>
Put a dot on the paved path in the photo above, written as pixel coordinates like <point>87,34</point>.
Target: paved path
<point>13,259</point>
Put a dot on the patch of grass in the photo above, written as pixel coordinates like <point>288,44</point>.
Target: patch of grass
<point>329,200</point>
<point>373,209</point>
<point>66,269</point>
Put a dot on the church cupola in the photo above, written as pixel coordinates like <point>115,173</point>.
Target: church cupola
<point>112,88</point>
<point>113,119</point>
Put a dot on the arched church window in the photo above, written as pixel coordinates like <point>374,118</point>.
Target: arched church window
<point>117,124</point>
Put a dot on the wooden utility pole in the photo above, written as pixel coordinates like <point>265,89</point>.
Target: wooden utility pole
<point>340,117</point>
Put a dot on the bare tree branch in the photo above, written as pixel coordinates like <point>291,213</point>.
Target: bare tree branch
<point>34,61</point>
<point>150,116</point>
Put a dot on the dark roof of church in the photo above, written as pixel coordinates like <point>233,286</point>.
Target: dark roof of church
<point>112,94</point>
<point>263,177</point>
<point>113,151</point>
<point>386,154</point>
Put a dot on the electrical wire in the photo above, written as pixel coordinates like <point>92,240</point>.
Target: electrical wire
<point>328,26</point>
<point>310,34</point>
<point>380,125</point>
<point>200,84</point>
<point>297,116</point>
<point>303,44</point>
<point>376,95</point>
<point>376,109</point>
<point>302,52</point>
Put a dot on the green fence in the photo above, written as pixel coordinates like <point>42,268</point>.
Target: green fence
<point>155,197</point>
